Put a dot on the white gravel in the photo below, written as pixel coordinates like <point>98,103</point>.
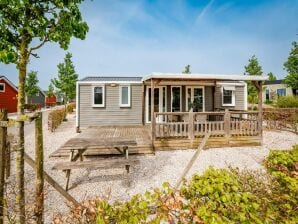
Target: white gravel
<point>152,170</point>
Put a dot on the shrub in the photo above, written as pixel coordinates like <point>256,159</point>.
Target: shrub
<point>55,118</point>
<point>283,166</point>
<point>287,102</point>
<point>32,107</point>
<point>217,196</point>
<point>70,107</point>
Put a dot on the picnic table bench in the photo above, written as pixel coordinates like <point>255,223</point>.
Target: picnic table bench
<point>77,146</point>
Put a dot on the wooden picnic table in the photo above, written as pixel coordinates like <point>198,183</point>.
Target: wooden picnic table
<point>77,147</point>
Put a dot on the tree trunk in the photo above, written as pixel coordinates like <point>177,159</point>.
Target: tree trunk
<point>3,134</point>
<point>39,179</point>
<point>20,192</point>
<point>65,109</point>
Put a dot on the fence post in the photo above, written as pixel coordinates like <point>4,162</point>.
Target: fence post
<point>39,178</point>
<point>153,123</point>
<point>191,124</point>
<point>3,134</point>
<point>227,122</point>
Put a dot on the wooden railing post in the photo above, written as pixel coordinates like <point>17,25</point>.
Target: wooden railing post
<point>153,123</point>
<point>39,178</point>
<point>190,124</point>
<point>3,134</point>
<point>260,109</point>
<point>227,122</point>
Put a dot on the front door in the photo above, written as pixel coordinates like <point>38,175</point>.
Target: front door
<point>159,102</point>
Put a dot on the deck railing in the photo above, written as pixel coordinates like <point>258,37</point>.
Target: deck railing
<point>196,124</point>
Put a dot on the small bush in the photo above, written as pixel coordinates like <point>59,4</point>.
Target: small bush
<point>217,196</point>
<point>70,107</point>
<point>32,107</point>
<point>55,118</point>
<point>287,102</point>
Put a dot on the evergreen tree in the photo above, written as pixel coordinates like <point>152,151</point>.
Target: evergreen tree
<point>291,66</point>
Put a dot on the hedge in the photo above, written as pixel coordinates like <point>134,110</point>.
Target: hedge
<point>55,118</point>
<point>217,196</point>
<point>287,102</point>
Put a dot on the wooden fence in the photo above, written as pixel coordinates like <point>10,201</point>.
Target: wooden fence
<point>196,124</point>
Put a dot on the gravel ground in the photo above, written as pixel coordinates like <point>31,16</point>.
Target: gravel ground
<point>151,172</point>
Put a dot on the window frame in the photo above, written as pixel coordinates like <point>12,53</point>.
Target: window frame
<point>279,89</point>
<point>2,84</point>
<point>180,87</point>
<point>103,96</point>
<point>129,96</point>
<point>233,103</point>
<point>192,96</point>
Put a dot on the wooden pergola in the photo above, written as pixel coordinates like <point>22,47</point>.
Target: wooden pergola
<point>154,80</point>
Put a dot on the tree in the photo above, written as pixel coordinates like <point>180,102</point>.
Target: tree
<point>186,69</point>
<point>67,77</point>
<point>50,91</point>
<point>21,22</point>
<point>291,66</point>
<point>31,85</point>
<point>253,68</point>
<point>271,76</point>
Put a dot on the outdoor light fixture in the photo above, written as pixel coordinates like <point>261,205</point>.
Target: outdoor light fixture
<point>113,84</point>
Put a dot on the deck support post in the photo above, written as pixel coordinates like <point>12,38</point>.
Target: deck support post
<point>3,144</point>
<point>153,129</point>
<point>227,123</point>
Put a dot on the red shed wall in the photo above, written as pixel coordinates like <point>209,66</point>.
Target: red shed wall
<point>8,99</point>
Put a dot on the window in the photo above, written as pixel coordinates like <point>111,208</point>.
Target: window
<point>228,96</point>
<point>267,95</point>
<point>195,99</point>
<point>124,96</point>
<point>281,92</point>
<point>98,96</point>
<point>2,87</point>
<point>176,98</point>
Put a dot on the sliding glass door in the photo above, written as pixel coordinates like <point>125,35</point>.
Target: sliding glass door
<point>160,104</point>
<point>195,99</point>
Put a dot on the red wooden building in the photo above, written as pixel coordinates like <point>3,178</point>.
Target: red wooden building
<point>51,101</point>
<point>8,95</point>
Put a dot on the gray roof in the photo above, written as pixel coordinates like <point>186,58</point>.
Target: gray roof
<point>111,79</point>
<point>273,82</point>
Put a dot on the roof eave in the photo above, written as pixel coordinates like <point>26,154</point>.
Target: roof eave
<point>204,77</point>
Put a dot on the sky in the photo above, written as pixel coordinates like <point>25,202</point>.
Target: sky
<point>136,38</point>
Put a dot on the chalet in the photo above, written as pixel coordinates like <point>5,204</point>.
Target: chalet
<point>8,95</point>
<point>39,99</point>
<point>276,88</point>
<point>173,106</point>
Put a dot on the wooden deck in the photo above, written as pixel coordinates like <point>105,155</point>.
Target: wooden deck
<point>172,132</point>
<point>138,133</point>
